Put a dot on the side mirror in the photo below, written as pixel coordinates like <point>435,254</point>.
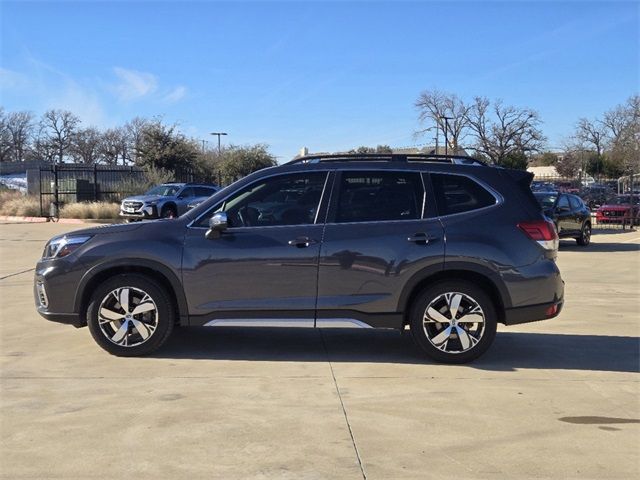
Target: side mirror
<point>217,224</point>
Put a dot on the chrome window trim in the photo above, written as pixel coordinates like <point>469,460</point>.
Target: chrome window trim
<point>326,172</point>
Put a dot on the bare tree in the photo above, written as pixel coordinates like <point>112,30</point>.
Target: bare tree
<point>110,148</point>
<point>85,145</point>
<point>20,127</point>
<point>449,114</point>
<point>5,138</point>
<point>134,131</point>
<point>623,126</point>
<point>592,133</point>
<point>569,164</point>
<point>57,128</point>
<point>503,132</point>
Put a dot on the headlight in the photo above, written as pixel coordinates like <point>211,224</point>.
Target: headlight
<point>63,246</point>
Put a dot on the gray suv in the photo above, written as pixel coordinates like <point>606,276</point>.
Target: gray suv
<point>444,247</point>
<point>168,200</point>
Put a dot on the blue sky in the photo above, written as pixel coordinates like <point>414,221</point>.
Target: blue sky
<point>327,75</point>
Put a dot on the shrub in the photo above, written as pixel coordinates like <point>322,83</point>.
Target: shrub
<point>14,203</point>
<point>90,210</point>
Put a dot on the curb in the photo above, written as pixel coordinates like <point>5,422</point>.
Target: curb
<point>72,221</point>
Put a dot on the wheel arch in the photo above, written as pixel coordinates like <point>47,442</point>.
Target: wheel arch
<point>154,270</point>
<point>169,204</point>
<point>483,278</point>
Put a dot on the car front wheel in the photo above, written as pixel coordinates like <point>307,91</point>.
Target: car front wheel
<point>453,322</point>
<point>130,315</point>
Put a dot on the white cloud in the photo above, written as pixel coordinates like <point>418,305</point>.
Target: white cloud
<point>134,85</point>
<point>11,79</point>
<point>176,94</point>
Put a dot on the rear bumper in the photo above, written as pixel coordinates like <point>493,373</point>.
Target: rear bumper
<point>533,313</point>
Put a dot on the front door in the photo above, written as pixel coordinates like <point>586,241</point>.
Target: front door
<point>265,264</point>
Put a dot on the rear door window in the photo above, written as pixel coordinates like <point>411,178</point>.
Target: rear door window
<point>575,203</point>
<point>375,196</point>
<point>563,203</point>
<point>459,194</point>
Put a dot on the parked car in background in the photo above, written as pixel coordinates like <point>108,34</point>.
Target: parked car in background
<point>168,200</point>
<point>569,213</point>
<point>409,242</point>
<point>195,203</point>
<point>596,195</point>
<point>623,209</point>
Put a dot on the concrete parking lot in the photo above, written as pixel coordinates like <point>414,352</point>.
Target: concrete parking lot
<point>555,399</point>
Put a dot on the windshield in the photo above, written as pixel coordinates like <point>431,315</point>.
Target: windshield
<point>546,200</point>
<point>625,200</point>
<point>164,190</point>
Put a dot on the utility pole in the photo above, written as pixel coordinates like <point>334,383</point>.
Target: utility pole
<point>219,134</point>
<point>436,139</point>
<point>446,133</point>
<point>203,142</point>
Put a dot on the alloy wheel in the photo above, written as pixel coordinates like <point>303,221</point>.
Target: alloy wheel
<point>128,316</point>
<point>454,322</point>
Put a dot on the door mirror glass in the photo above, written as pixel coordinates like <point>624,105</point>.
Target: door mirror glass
<point>217,224</point>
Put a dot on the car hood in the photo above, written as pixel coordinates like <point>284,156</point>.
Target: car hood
<point>614,207</point>
<point>102,229</point>
<point>144,198</point>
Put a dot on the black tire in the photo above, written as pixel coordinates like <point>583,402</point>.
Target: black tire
<point>469,292</point>
<point>163,316</point>
<point>169,211</point>
<point>585,235</point>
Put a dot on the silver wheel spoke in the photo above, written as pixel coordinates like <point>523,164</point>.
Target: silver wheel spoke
<point>143,307</point>
<point>110,314</point>
<point>434,315</point>
<point>442,337</point>
<point>472,318</point>
<point>465,341</point>
<point>121,334</point>
<point>454,304</point>
<point>143,329</point>
<point>124,299</point>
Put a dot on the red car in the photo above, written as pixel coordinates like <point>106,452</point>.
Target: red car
<point>620,210</point>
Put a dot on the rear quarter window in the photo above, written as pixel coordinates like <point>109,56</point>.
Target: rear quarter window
<point>459,194</point>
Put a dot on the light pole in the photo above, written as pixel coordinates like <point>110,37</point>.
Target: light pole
<point>218,134</point>
<point>446,133</point>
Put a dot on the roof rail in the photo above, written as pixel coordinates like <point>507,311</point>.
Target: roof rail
<point>386,157</point>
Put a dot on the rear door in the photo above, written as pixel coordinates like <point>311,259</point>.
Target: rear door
<point>564,215</point>
<point>377,237</point>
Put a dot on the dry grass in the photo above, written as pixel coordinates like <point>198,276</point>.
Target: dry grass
<point>14,203</point>
<point>94,210</point>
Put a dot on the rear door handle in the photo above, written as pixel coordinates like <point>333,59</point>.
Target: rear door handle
<point>421,238</point>
<point>301,242</point>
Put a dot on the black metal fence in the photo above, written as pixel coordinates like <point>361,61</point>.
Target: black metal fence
<point>57,185</point>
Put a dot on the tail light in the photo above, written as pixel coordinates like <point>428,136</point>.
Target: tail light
<point>543,232</point>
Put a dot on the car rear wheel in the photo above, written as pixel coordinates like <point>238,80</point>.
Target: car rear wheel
<point>130,315</point>
<point>585,235</point>
<point>453,322</point>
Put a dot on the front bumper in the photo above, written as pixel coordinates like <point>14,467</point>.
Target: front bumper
<point>52,283</point>
<point>145,212</point>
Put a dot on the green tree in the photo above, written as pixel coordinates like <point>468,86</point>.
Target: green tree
<point>237,162</point>
<point>163,147</point>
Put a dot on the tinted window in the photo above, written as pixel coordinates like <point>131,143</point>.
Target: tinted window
<point>457,194</point>
<point>575,203</point>
<point>378,196</point>
<point>546,200</point>
<point>284,200</point>
<point>187,192</point>
<point>204,191</point>
<point>563,202</point>
<point>164,190</point>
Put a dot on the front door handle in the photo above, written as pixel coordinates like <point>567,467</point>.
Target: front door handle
<point>421,238</point>
<point>301,242</point>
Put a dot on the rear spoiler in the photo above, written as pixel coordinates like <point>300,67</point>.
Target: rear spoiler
<point>521,177</point>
